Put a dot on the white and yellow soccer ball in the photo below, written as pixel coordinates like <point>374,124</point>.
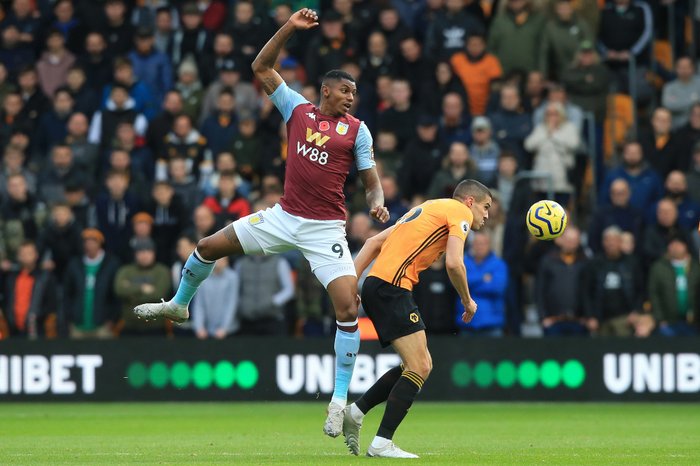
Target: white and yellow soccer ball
<point>546,220</point>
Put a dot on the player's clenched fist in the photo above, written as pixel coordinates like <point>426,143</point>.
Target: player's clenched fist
<point>305,18</point>
<point>380,213</point>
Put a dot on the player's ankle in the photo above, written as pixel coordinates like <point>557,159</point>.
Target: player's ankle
<point>380,442</point>
<point>356,413</point>
<point>339,401</point>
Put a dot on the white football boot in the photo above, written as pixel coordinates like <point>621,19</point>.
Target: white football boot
<point>390,450</point>
<point>351,431</point>
<point>166,309</point>
<point>334,422</point>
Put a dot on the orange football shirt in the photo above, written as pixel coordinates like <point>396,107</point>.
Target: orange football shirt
<point>420,237</point>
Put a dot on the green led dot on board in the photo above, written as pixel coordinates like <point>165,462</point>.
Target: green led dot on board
<point>159,374</point>
<point>202,375</point>
<point>224,375</point>
<point>180,375</point>
<point>550,374</point>
<point>137,374</point>
<point>528,374</point>
<point>246,375</point>
<point>506,374</point>
<point>483,374</point>
<point>461,374</point>
<point>573,373</point>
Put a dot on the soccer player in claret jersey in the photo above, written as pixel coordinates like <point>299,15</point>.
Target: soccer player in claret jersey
<point>323,143</point>
<point>400,253</point>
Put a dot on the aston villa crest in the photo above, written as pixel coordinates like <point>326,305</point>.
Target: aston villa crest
<point>342,128</point>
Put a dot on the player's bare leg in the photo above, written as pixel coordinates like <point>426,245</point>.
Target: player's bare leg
<point>417,364</point>
<point>343,293</point>
<point>197,268</point>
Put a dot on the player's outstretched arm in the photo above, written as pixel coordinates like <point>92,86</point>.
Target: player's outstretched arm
<point>454,263</point>
<point>374,194</point>
<point>370,250</point>
<point>264,64</point>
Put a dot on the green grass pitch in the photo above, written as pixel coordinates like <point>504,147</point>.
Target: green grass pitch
<point>290,433</point>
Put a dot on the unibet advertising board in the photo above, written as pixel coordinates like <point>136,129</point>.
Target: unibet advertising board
<point>273,369</point>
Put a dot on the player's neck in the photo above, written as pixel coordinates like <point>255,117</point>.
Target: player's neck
<point>325,110</point>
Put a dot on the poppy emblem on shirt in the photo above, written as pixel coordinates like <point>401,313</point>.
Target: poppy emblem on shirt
<point>342,128</point>
<point>324,126</point>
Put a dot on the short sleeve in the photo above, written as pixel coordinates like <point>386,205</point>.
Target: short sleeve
<point>286,99</point>
<point>364,153</point>
<point>459,221</point>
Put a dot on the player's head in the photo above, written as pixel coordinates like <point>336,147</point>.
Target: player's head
<point>477,197</point>
<point>338,91</point>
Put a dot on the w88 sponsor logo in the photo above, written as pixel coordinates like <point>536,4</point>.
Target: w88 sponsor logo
<point>312,153</point>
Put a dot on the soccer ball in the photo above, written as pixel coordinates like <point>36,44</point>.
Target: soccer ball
<point>546,220</point>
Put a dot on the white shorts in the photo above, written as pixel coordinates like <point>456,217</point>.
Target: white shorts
<point>323,243</point>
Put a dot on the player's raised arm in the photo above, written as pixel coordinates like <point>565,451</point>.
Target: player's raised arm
<point>374,194</point>
<point>454,263</point>
<point>370,250</point>
<point>264,64</point>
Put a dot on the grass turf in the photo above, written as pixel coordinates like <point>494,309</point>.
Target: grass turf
<point>290,433</point>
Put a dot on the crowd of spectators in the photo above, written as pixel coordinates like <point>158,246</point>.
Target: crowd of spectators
<point>129,130</point>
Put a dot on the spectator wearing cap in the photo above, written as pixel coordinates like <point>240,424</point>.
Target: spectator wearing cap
<point>90,307</point>
<point>169,219</point>
<point>230,76</point>
<point>484,151</point>
<point>249,30</point>
<point>116,28</point>
<point>190,88</point>
<point>329,49</point>
<point>448,33</point>
<point>191,40</point>
<point>514,36</point>
<point>560,40</point>
<point>289,71</point>
<point>477,69</point>
<point>680,94</point>
<point>120,107</point>
<point>59,241</point>
<point>139,281</point>
<point>151,66</point>
<point>114,209</point>
<point>674,284</point>
<point>587,81</point>
<point>52,68</point>
<point>221,127</point>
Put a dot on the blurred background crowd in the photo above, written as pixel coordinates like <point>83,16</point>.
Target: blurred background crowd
<point>129,130</point>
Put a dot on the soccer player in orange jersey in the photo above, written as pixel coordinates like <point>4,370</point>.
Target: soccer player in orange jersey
<point>400,253</point>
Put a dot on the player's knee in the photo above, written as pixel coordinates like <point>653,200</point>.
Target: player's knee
<point>205,248</point>
<point>346,313</point>
<point>422,367</point>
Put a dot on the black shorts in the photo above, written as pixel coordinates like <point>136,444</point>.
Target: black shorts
<point>391,309</point>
